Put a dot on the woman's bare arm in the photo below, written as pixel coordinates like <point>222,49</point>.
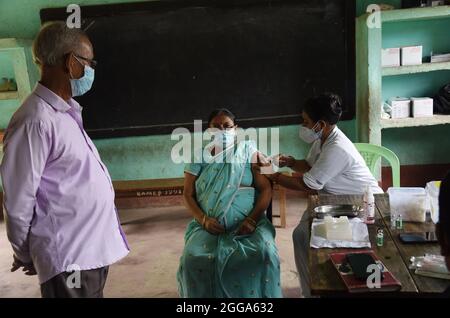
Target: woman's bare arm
<point>262,184</point>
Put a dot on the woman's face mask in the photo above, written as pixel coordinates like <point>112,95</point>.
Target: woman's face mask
<point>224,138</point>
<point>309,135</point>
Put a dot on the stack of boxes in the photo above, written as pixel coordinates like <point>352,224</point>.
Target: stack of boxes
<point>407,55</point>
<point>406,107</point>
<point>411,107</point>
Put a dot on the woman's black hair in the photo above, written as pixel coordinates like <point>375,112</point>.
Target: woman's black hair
<point>221,111</point>
<point>444,206</point>
<point>326,106</point>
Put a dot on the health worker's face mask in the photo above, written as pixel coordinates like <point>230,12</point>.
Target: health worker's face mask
<point>310,135</point>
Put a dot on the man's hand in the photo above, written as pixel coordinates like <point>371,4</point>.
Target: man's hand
<point>285,161</point>
<point>246,228</point>
<point>28,268</point>
<point>213,226</point>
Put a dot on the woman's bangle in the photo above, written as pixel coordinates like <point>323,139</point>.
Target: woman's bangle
<point>251,221</point>
<point>203,220</point>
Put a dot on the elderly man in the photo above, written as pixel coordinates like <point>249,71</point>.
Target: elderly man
<point>58,196</point>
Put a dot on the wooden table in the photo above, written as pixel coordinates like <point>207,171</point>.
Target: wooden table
<point>424,284</point>
<point>324,279</point>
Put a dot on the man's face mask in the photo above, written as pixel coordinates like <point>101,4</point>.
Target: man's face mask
<point>83,84</point>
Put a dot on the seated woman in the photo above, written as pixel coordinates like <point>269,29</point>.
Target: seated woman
<point>229,245</point>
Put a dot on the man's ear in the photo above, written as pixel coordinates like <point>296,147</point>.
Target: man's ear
<point>72,66</point>
<point>69,65</point>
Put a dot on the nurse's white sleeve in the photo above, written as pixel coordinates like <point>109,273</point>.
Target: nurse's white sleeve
<point>332,161</point>
<point>313,152</point>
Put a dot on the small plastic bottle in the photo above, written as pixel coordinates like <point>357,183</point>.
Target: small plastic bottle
<point>399,222</point>
<point>380,237</point>
<point>369,206</point>
<point>393,220</point>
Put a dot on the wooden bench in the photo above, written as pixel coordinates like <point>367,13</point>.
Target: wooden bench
<point>174,186</point>
<point>149,188</point>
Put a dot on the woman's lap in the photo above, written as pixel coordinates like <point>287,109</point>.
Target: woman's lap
<point>242,266</point>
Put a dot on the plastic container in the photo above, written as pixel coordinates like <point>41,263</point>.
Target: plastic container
<point>432,190</point>
<point>410,203</point>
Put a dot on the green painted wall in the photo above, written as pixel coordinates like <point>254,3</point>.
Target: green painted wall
<point>149,156</point>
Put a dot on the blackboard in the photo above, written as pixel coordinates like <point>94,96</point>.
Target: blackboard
<point>163,64</point>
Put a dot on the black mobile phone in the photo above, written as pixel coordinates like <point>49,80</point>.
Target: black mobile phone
<point>418,237</point>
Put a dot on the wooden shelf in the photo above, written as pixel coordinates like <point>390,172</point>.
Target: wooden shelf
<point>413,69</point>
<point>415,14</point>
<point>370,74</point>
<point>26,74</point>
<point>9,95</point>
<point>415,122</point>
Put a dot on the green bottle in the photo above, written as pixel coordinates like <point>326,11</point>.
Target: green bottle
<point>380,237</point>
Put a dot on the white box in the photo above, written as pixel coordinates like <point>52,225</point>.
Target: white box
<point>400,107</point>
<point>433,189</point>
<point>410,203</point>
<point>411,55</point>
<point>440,58</point>
<point>390,57</point>
<point>422,107</point>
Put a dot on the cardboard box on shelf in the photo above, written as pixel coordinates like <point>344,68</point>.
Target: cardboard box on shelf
<point>422,106</point>
<point>400,107</point>
<point>390,57</point>
<point>411,55</point>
